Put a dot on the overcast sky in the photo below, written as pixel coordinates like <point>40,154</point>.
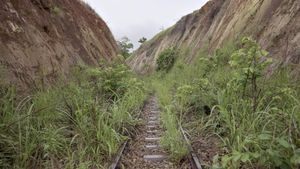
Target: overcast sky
<point>138,18</point>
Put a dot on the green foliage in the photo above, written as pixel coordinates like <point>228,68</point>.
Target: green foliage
<point>229,95</point>
<point>73,125</point>
<point>249,63</point>
<point>125,46</point>
<point>112,81</point>
<point>255,115</point>
<point>142,40</point>
<point>166,59</point>
<point>248,115</point>
<point>172,139</point>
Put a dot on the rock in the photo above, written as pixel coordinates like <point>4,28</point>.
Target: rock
<point>36,43</point>
<point>275,24</point>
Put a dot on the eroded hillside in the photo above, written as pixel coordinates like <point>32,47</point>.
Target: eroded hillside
<point>41,39</point>
<point>275,24</point>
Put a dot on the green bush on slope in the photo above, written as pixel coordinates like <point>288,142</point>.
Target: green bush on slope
<point>166,59</point>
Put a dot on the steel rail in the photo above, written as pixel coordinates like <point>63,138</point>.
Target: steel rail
<point>116,161</point>
<point>118,157</point>
<point>194,160</point>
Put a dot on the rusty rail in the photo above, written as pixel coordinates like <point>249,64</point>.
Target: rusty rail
<point>194,160</point>
<point>118,157</point>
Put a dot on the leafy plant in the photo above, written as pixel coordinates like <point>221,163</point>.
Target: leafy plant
<point>249,63</point>
<point>166,59</point>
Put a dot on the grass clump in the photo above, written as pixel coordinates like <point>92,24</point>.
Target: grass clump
<point>172,139</point>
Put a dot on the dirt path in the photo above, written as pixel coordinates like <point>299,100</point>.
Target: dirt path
<point>144,151</point>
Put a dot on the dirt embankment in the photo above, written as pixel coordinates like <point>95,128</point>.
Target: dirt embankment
<point>41,40</point>
<point>275,24</point>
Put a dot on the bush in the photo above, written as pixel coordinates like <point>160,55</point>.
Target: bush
<point>112,81</point>
<point>166,59</point>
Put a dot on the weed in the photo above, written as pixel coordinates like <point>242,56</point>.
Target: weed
<point>172,139</point>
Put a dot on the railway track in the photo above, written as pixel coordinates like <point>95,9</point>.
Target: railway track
<point>144,150</point>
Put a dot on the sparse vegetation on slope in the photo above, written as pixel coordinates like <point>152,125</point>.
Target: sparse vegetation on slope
<point>220,21</point>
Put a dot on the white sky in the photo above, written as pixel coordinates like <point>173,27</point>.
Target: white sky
<point>138,18</point>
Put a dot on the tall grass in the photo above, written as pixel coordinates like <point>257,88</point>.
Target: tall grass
<point>172,139</point>
<point>258,130</point>
<point>75,125</point>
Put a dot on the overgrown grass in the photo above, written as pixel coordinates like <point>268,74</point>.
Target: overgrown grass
<point>77,125</point>
<point>232,95</point>
<point>172,139</point>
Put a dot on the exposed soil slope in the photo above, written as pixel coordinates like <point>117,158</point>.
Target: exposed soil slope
<point>275,24</point>
<point>41,39</point>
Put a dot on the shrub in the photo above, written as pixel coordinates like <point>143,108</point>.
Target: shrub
<point>166,59</point>
<point>112,81</point>
<point>249,62</point>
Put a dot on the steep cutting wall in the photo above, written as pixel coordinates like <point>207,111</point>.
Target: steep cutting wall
<point>41,39</point>
<point>275,24</point>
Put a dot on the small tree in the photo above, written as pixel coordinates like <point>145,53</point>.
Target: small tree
<point>125,46</point>
<point>250,61</point>
<point>142,40</point>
